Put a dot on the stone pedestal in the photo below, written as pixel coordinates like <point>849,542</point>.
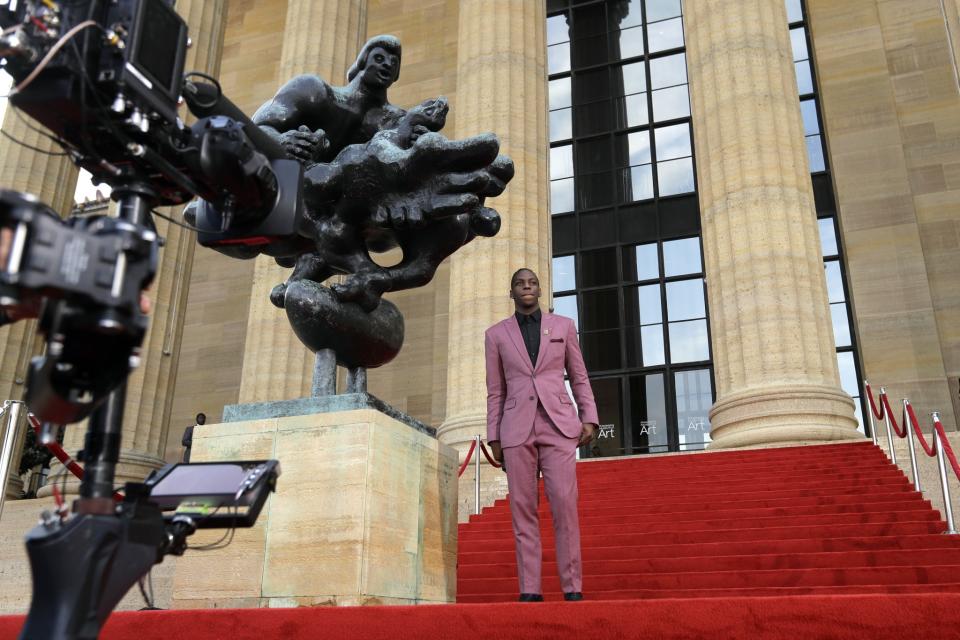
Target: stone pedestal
<point>365,513</point>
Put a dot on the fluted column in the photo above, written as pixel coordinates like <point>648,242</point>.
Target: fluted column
<point>321,37</point>
<point>53,179</point>
<point>501,87</point>
<point>149,396</point>
<point>774,357</point>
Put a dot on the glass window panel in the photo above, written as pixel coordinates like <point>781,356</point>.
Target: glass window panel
<point>593,118</point>
<point>557,30</point>
<point>631,43</point>
<point>688,341</point>
<point>648,413</point>
<point>600,309</point>
<point>681,257</point>
<point>643,305</point>
<point>834,281</point>
<point>561,196</point>
<point>685,300</point>
<point>673,142</point>
<point>588,86</point>
<point>561,125</point>
<point>641,262</point>
<point>804,79</point>
<point>794,12</point>
<point>609,439</point>
<point>589,51</point>
<point>798,41</point>
<point>694,397</point>
<point>632,77</point>
<point>638,144</point>
<point>675,176</point>
<point>848,373</point>
<point>589,20</point>
<point>567,306</point>
<point>598,267</point>
<point>671,103</point>
<point>564,274</point>
<point>828,237</point>
<point>595,190</point>
<point>564,232</point>
<point>815,153</point>
<point>651,343</point>
<point>561,162</point>
<point>639,182</point>
<point>841,326</point>
<point>668,71</point>
<point>594,155</point>
<point>625,14</point>
<point>560,93</point>
<point>635,107</point>
<point>601,350</point>
<point>558,58</point>
<point>808,110</point>
<point>597,228</point>
<point>665,35</point>
<point>662,9</point>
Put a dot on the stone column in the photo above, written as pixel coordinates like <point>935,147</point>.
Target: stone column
<point>150,387</point>
<point>774,357</point>
<point>53,179</point>
<point>321,37</point>
<point>501,87</point>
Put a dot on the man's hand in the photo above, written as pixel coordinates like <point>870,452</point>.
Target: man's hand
<point>305,145</point>
<point>496,451</point>
<point>586,433</point>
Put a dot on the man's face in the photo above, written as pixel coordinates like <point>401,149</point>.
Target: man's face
<point>525,289</point>
<point>381,68</point>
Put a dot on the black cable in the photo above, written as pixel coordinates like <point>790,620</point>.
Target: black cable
<point>212,80</point>
<point>31,147</point>
<point>38,130</point>
<point>176,222</point>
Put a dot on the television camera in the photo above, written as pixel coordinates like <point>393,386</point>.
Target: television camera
<point>105,78</point>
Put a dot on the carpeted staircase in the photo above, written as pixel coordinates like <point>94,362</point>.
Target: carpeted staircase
<point>806,542</point>
<point>837,519</point>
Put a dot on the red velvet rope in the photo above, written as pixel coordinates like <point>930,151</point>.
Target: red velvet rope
<point>61,455</point>
<point>886,407</point>
<point>929,449</point>
<point>873,406</point>
<point>947,449</point>
<point>463,467</point>
<point>493,463</point>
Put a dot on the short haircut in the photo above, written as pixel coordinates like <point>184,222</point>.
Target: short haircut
<point>517,272</point>
<point>387,43</point>
<point>201,418</point>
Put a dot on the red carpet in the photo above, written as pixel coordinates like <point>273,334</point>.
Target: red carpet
<point>806,542</point>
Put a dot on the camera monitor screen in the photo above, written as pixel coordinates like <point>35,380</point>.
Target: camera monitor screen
<point>158,44</point>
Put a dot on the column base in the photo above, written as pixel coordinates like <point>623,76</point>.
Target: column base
<point>781,415</point>
<point>459,431</point>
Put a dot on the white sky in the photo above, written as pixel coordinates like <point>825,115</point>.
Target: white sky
<point>85,187</point>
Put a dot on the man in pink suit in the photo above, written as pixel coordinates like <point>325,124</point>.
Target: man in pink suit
<point>532,425</point>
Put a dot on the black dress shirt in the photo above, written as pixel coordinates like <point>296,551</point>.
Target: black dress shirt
<point>530,329</point>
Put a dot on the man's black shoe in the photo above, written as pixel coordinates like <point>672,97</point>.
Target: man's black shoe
<point>532,597</point>
<point>573,596</point>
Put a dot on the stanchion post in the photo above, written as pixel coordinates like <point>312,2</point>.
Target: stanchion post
<point>12,411</point>
<point>873,427</point>
<point>944,484</point>
<point>910,447</point>
<point>886,419</point>
<point>476,484</point>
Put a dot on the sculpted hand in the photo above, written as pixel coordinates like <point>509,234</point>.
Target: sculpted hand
<point>305,145</point>
<point>586,435</point>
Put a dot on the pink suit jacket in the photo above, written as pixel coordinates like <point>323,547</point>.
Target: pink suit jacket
<point>514,385</point>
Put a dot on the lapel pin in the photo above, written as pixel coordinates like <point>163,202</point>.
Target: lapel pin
<point>546,332</point>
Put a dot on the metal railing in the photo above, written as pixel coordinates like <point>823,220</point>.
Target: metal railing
<point>476,443</point>
<point>11,410</point>
<point>939,445</point>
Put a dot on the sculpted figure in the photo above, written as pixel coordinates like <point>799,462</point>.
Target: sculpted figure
<point>376,177</point>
